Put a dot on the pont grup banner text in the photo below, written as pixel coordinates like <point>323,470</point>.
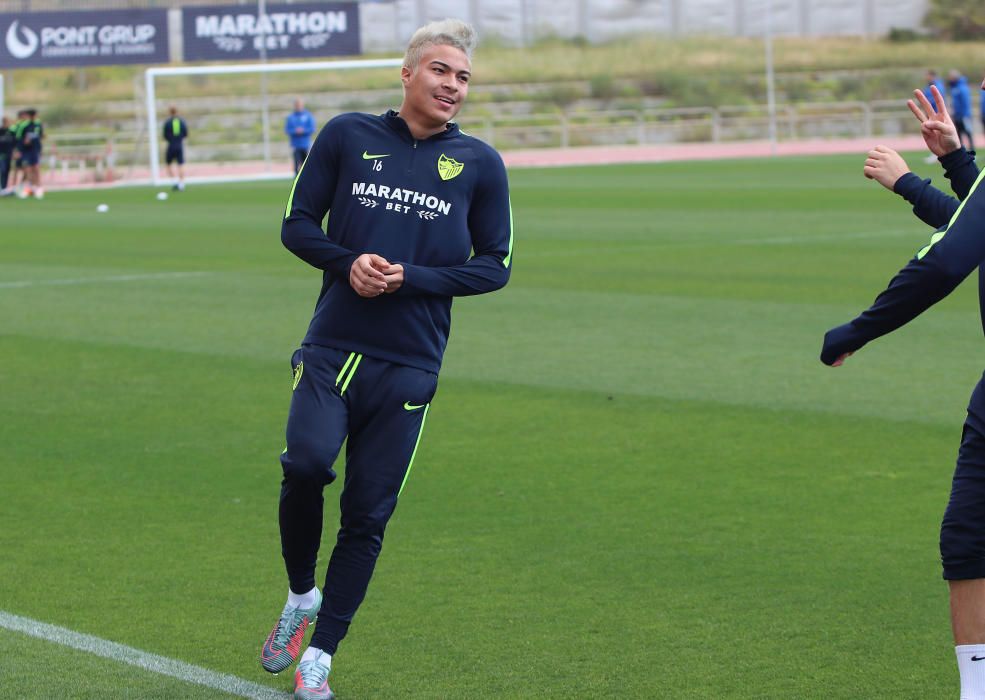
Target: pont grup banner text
<point>83,38</point>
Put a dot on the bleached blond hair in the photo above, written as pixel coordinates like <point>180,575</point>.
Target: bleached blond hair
<point>445,32</point>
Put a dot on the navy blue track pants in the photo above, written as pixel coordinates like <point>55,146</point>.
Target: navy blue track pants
<point>299,155</point>
<point>380,407</point>
<point>963,527</point>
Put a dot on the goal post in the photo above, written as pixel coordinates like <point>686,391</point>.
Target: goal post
<point>152,74</point>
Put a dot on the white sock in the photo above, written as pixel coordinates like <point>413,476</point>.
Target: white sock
<point>302,600</point>
<point>971,667</point>
<point>312,653</point>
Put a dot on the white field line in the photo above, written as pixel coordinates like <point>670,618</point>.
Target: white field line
<point>19,284</point>
<point>142,659</point>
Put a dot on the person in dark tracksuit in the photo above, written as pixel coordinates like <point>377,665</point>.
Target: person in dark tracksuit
<point>420,214</point>
<point>31,139</point>
<point>17,176</point>
<point>175,131</point>
<point>7,141</point>
<point>954,251</point>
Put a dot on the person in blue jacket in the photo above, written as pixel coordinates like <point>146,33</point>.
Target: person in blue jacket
<point>981,107</point>
<point>299,126</point>
<point>954,251</point>
<point>961,107</point>
<point>419,213</point>
<point>933,81</point>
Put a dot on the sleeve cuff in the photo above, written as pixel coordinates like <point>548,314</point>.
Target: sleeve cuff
<point>342,266</point>
<point>909,187</point>
<point>840,340</point>
<point>955,159</point>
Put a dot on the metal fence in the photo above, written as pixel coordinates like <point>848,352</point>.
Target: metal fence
<point>232,135</point>
<point>652,126</point>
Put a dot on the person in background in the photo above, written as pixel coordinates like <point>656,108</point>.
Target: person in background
<point>7,140</point>
<point>981,106</point>
<point>933,81</point>
<point>15,178</point>
<point>31,138</point>
<point>961,107</point>
<point>299,126</point>
<point>175,132</point>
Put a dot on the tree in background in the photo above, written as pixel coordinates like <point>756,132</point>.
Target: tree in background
<point>957,19</point>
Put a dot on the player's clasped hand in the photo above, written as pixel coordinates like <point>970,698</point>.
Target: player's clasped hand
<point>394,276</point>
<point>372,275</point>
<point>366,276</point>
<point>885,166</point>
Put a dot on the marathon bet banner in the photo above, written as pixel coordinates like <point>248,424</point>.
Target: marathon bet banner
<point>40,39</point>
<point>237,32</point>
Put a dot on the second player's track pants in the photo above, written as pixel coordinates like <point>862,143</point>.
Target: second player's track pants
<point>963,527</point>
<point>380,407</point>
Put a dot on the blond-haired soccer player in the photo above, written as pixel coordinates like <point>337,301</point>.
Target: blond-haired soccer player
<point>420,214</point>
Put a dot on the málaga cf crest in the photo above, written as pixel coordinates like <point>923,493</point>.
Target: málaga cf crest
<point>449,167</point>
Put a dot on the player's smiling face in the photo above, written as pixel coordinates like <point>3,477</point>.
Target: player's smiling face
<point>436,89</point>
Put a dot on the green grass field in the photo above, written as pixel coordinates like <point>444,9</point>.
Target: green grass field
<point>636,481</point>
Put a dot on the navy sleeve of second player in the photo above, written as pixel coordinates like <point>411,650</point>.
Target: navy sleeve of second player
<point>934,273</point>
<point>931,205</point>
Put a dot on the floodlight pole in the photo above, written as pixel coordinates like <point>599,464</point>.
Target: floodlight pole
<point>264,97</point>
<point>152,73</point>
<point>770,82</point>
<point>155,156</point>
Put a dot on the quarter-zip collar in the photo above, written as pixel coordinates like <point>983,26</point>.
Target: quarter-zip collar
<point>397,123</point>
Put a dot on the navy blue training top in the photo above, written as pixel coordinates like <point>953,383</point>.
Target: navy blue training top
<point>953,253</point>
<point>439,206</point>
<point>175,130</point>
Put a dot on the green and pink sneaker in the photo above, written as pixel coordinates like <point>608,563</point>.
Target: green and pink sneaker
<point>311,680</point>
<point>284,643</point>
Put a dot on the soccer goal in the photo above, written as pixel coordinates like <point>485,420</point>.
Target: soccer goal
<point>231,135</point>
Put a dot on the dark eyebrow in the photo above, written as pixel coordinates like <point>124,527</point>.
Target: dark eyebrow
<point>446,66</point>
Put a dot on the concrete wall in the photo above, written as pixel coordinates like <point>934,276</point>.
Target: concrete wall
<point>387,24</point>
